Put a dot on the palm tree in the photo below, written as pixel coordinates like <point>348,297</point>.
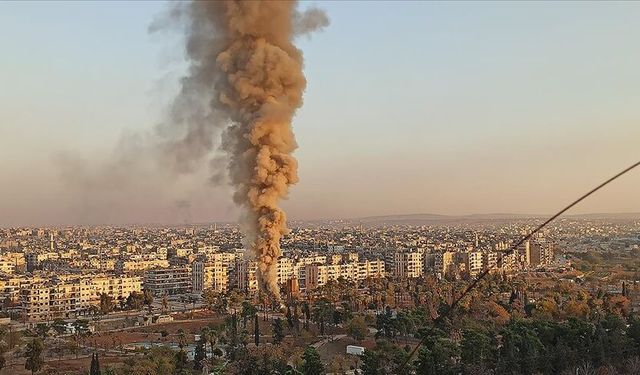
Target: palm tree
<point>322,313</point>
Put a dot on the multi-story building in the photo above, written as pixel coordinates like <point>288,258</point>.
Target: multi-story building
<point>246,275</point>
<point>319,274</point>
<point>7,267</point>
<point>286,270</point>
<point>69,296</point>
<point>124,266</point>
<point>443,262</point>
<point>472,262</point>
<point>373,269</point>
<point>490,260</point>
<point>408,264</point>
<point>539,254</point>
<point>209,275</point>
<point>168,281</point>
<point>10,287</point>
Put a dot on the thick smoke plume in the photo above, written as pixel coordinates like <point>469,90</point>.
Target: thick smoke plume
<point>245,76</point>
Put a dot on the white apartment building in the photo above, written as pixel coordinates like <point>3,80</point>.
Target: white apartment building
<point>44,299</point>
<point>210,275</point>
<point>473,262</point>
<point>140,265</point>
<point>408,264</point>
<point>246,275</point>
<point>490,260</point>
<point>319,274</point>
<point>7,267</point>
<point>443,262</point>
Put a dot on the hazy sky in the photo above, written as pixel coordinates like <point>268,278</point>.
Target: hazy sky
<point>415,107</point>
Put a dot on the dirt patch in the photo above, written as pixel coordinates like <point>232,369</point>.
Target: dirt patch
<point>190,327</point>
<point>66,366</point>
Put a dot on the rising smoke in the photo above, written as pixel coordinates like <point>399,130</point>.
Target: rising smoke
<point>245,76</point>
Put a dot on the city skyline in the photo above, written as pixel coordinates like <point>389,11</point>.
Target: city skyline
<point>448,109</point>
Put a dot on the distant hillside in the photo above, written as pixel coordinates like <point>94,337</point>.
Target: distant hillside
<point>623,215</point>
<point>425,219</point>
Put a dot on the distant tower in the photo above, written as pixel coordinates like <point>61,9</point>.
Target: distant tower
<point>51,243</point>
<point>477,239</point>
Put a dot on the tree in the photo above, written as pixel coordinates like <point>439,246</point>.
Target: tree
<point>312,364</point>
<point>322,313</point>
<point>165,303</point>
<point>248,311</point>
<point>617,305</point>
<point>266,359</point>
<point>384,359</point>
<point>2,359</point>
<point>60,326</point>
<point>357,328</point>
<point>156,361</point>
<point>256,330</point>
<point>42,330</point>
<point>200,353</point>
<point>106,303</point>
<point>339,364</point>
<point>437,356</point>
<point>497,314</point>
<point>181,360</point>
<point>576,309</point>
<point>148,298</point>
<point>135,300</point>
<point>475,348</point>
<point>95,365</point>
<point>81,327</point>
<point>33,355</point>
<point>278,331</point>
<point>307,314</point>
<point>370,363</point>
<point>289,317</point>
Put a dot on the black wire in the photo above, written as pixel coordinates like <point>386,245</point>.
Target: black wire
<point>508,252</point>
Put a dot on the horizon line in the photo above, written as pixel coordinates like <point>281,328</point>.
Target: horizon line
<point>352,218</point>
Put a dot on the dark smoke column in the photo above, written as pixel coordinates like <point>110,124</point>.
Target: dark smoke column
<point>243,54</point>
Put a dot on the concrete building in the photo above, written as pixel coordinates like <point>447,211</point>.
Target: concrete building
<point>408,264</point>
<point>319,274</point>
<point>443,262</point>
<point>539,254</point>
<point>69,296</point>
<point>473,262</point>
<point>168,281</point>
<point>209,275</point>
<point>246,275</point>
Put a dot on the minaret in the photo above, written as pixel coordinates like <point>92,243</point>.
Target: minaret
<point>51,245</point>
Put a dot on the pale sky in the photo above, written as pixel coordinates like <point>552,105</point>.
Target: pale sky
<point>417,107</point>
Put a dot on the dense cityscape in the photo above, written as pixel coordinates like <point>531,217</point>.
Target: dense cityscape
<point>285,187</point>
<point>357,295</point>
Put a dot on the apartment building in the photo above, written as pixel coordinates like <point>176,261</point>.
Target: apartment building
<point>473,262</point>
<point>246,275</point>
<point>7,267</point>
<point>539,254</point>
<point>319,274</point>
<point>210,275</point>
<point>69,296</point>
<point>168,281</point>
<point>490,260</point>
<point>125,266</point>
<point>408,264</point>
<point>443,262</point>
